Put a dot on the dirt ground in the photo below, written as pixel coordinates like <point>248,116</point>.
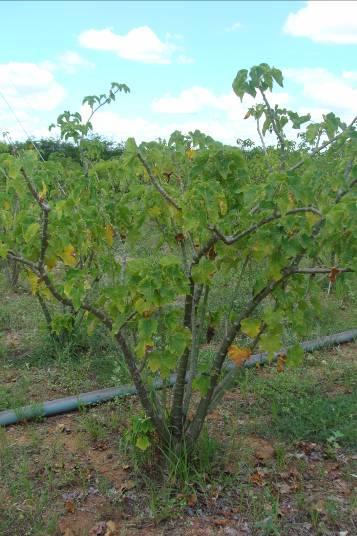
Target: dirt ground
<point>93,488</point>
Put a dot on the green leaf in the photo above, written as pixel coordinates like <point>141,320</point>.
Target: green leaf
<point>3,250</point>
<point>250,326</point>
<point>278,76</point>
<point>240,85</point>
<point>31,231</point>
<point>201,383</point>
<point>143,442</point>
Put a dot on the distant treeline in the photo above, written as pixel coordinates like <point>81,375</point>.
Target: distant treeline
<point>54,148</point>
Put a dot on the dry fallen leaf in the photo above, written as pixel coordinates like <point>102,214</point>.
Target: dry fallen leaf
<point>68,532</point>
<point>99,529</point>
<point>112,529</point>
<point>191,500</point>
<point>221,522</point>
<point>69,506</point>
<point>128,485</point>
<point>257,478</point>
<point>263,450</point>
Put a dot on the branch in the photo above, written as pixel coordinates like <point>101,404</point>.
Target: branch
<point>323,146</point>
<point>13,256</point>
<point>195,426</point>
<point>44,240</point>
<point>35,195</point>
<point>149,406</point>
<point>344,192</point>
<point>261,136</point>
<point>157,184</point>
<point>197,331</point>
<point>179,388</point>
<point>234,238</point>
<point>320,270</point>
<point>272,118</point>
<point>106,101</point>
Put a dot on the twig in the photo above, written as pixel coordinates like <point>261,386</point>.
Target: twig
<point>157,184</point>
<point>323,146</point>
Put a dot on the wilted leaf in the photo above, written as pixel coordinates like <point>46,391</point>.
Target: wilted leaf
<point>180,237</point>
<point>280,366</point>
<point>238,355</point>
<point>333,274</point>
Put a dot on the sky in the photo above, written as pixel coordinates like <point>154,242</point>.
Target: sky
<point>179,59</point>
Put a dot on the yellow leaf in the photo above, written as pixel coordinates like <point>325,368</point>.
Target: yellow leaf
<point>312,218</point>
<point>190,154</point>
<point>45,292</point>
<point>42,194</point>
<point>51,262</point>
<point>154,211</point>
<point>238,355</point>
<point>223,207</point>
<point>292,201</point>
<point>69,256</point>
<point>34,282</point>
<point>109,234</point>
<point>6,205</point>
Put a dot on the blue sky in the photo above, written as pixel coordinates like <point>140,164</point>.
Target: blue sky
<point>178,58</point>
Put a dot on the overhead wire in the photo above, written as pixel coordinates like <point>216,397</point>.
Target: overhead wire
<point>28,136</point>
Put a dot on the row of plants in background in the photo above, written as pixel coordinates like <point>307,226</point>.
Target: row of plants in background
<point>144,245</point>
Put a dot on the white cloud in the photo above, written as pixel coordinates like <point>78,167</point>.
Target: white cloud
<point>326,89</point>
<point>234,27</point>
<point>197,98</point>
<point>139,44</point>
<point>325,22</point>
<point>71,61</point>
<point>350,75</point>
<point>30,86</point>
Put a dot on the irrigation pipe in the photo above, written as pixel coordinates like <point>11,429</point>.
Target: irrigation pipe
<point>72,403</point>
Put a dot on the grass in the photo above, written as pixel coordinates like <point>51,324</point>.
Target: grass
<point>306,407</point>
